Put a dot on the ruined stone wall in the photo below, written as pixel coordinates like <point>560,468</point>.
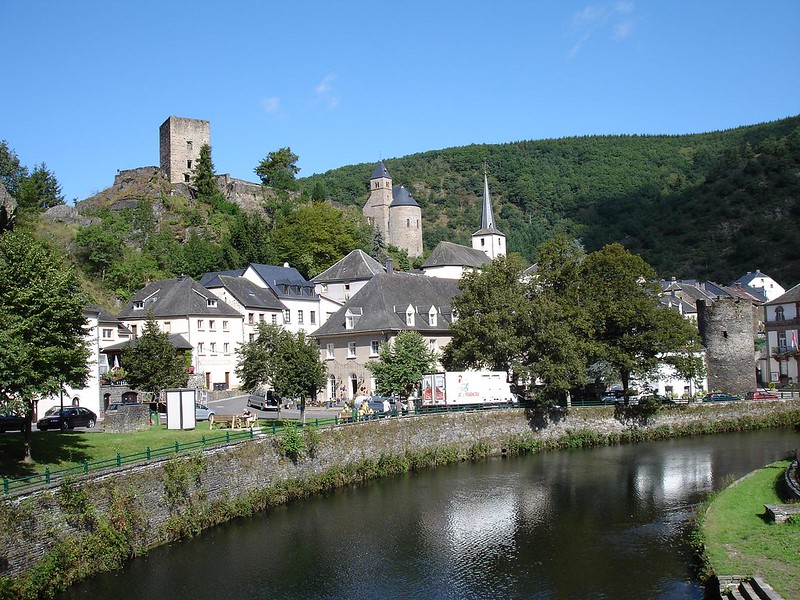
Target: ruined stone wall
<point>727,328</point>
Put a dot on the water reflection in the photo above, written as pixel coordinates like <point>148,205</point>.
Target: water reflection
<point>601,523</point>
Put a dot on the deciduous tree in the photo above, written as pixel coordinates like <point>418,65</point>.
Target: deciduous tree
<point>401,364</point>
<point>279,169</point>
<point>152,363</point>
<point>42,326</point>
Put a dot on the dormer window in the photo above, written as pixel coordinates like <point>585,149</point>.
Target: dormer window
<point>410,316</point>
<point>351,317</point>
<point>211,303</point>
<point>138,305</point>
<point>432,321</point>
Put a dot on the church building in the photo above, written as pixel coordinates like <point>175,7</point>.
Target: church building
<point>394,213</point>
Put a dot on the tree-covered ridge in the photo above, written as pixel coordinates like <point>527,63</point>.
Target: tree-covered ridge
<point>712,205</point>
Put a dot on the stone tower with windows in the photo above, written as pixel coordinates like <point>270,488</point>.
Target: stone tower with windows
<point>180,140</point>
<point>488,238</point>
<point>394,213</point>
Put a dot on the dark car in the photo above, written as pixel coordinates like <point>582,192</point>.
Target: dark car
<point>762,395</point>
<point>68,417</point>
<point>719,397</point>
<point>11,422</point>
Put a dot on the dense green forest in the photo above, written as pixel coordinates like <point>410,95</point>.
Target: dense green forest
<point>708,206</point>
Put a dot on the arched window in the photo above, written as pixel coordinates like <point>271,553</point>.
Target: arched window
<point>779,314</point>
<point>353,385</point>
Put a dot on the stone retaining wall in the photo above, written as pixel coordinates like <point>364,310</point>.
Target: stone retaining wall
<point>150,497</point>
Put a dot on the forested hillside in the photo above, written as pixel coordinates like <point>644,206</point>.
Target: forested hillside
<point>711,206</point>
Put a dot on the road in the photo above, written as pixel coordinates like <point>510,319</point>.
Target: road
<point>236,404</point>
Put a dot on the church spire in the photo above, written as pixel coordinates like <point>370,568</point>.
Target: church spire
<point>487,215</point>
<point>488,238</point>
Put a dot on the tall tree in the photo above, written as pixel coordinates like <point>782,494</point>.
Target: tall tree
<point>259,360</point>
<point>279,169</point>
<point>40,190</point>
<point>401,364</point>
<point>631,332</point>
<point>493,320</point>
<point>204,181</point>
<point>151,363</point>
<point>42,327</point>
<point>11,171</point>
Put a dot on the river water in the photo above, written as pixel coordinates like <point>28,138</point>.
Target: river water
<point>604,523</point>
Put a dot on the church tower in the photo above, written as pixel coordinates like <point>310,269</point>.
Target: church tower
<point>488,238</point>
<point>394,213</point>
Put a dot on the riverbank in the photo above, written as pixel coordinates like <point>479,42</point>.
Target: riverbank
<point>739,540</point>
<point>53,538</point>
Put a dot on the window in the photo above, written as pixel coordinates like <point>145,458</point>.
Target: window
<point>299,317</point>
<point>432,345</point>
<point>213,346</point>
<point>346,287</point>
<point>432,317</point>
<point>287,316</point>
<point>313,317</point>
<point>167,327</point>
<point>410,316</point>
<point>200,347</point>
<point>134,330</point>
<point>138,305</point>
<point>274,319</point>
<point>251,337</point>
<point>200,325</point>
<point>226,348</point>
<point>250,318</point>
<point>329,349</point>
<point>211,302</point>
<point>189,146</point>
<point>260,317</point>
<point>779,314</point>
<point>782,341</point>
<point>350,321</point>
<point>188,164</point>
<point>224,326</point>
<point>212,325</point>
<point>107,334</point>
<point>374,346</point>
<point>186,178</point>
<point>408,222</point>
<point>351,349</point>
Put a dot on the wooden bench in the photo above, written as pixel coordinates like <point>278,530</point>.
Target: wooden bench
<point>780,513</point>
<point>221,421</point>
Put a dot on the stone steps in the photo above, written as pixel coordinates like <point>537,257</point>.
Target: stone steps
<point>748,589</point>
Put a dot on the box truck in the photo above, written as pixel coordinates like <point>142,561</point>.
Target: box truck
<point>461,388</point>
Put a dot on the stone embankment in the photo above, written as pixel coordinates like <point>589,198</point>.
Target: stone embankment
<point>46,535</point>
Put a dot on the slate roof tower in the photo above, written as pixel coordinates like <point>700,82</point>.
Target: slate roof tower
<point>488,238</point>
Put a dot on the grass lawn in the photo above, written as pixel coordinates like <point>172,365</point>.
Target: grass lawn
<point>740,541</point>
<point>60,450</point>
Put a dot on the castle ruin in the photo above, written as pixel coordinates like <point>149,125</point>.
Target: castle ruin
<point>180,140</point>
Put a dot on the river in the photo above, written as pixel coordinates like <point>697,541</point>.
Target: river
<point>604,523</point>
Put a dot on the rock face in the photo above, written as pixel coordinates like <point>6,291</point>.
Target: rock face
<point>8,207</point>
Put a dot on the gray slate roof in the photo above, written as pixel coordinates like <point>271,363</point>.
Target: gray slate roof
<point>791,295</point>
<point>379,171</point>
<point>447,254</point>
<point>356,266</point>
<point>487,214</point>
<point>176,298</point>
<point>382,303</point>
<point>401,197</point>
<point>248,293</point>
<point>211,280</point>
<point>285,282</point>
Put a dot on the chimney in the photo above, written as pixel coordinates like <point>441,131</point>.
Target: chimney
<point>389,266</point>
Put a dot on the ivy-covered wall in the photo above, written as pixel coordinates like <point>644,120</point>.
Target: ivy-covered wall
<point>54,537</point>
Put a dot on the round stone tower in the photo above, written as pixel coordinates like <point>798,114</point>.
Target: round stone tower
<point>727,327</point>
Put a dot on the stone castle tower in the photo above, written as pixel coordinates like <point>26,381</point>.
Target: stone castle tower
<point>180,140</point>
<point>488,238</point>
<point>394,213</point>
<point>727,327</point>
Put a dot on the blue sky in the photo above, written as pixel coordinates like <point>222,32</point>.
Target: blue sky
<point>86,84</point>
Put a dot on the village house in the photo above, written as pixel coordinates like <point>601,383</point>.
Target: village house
<point>782,326</point>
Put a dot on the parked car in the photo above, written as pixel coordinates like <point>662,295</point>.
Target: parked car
<point>719,397</point>
<point>762,394</point>
<point>11,422</point>
<point>202,412</point>
<point>263,401</point>
<point>68,417</point>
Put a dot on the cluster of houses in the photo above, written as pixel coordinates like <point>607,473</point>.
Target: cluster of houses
<point>357,304</point>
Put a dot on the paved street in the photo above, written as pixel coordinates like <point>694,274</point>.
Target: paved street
<point>236,404</point>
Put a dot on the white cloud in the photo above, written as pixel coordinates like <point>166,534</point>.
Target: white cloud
<point>596,19</point>
<point>271,105</point>
<point>326,93</point>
